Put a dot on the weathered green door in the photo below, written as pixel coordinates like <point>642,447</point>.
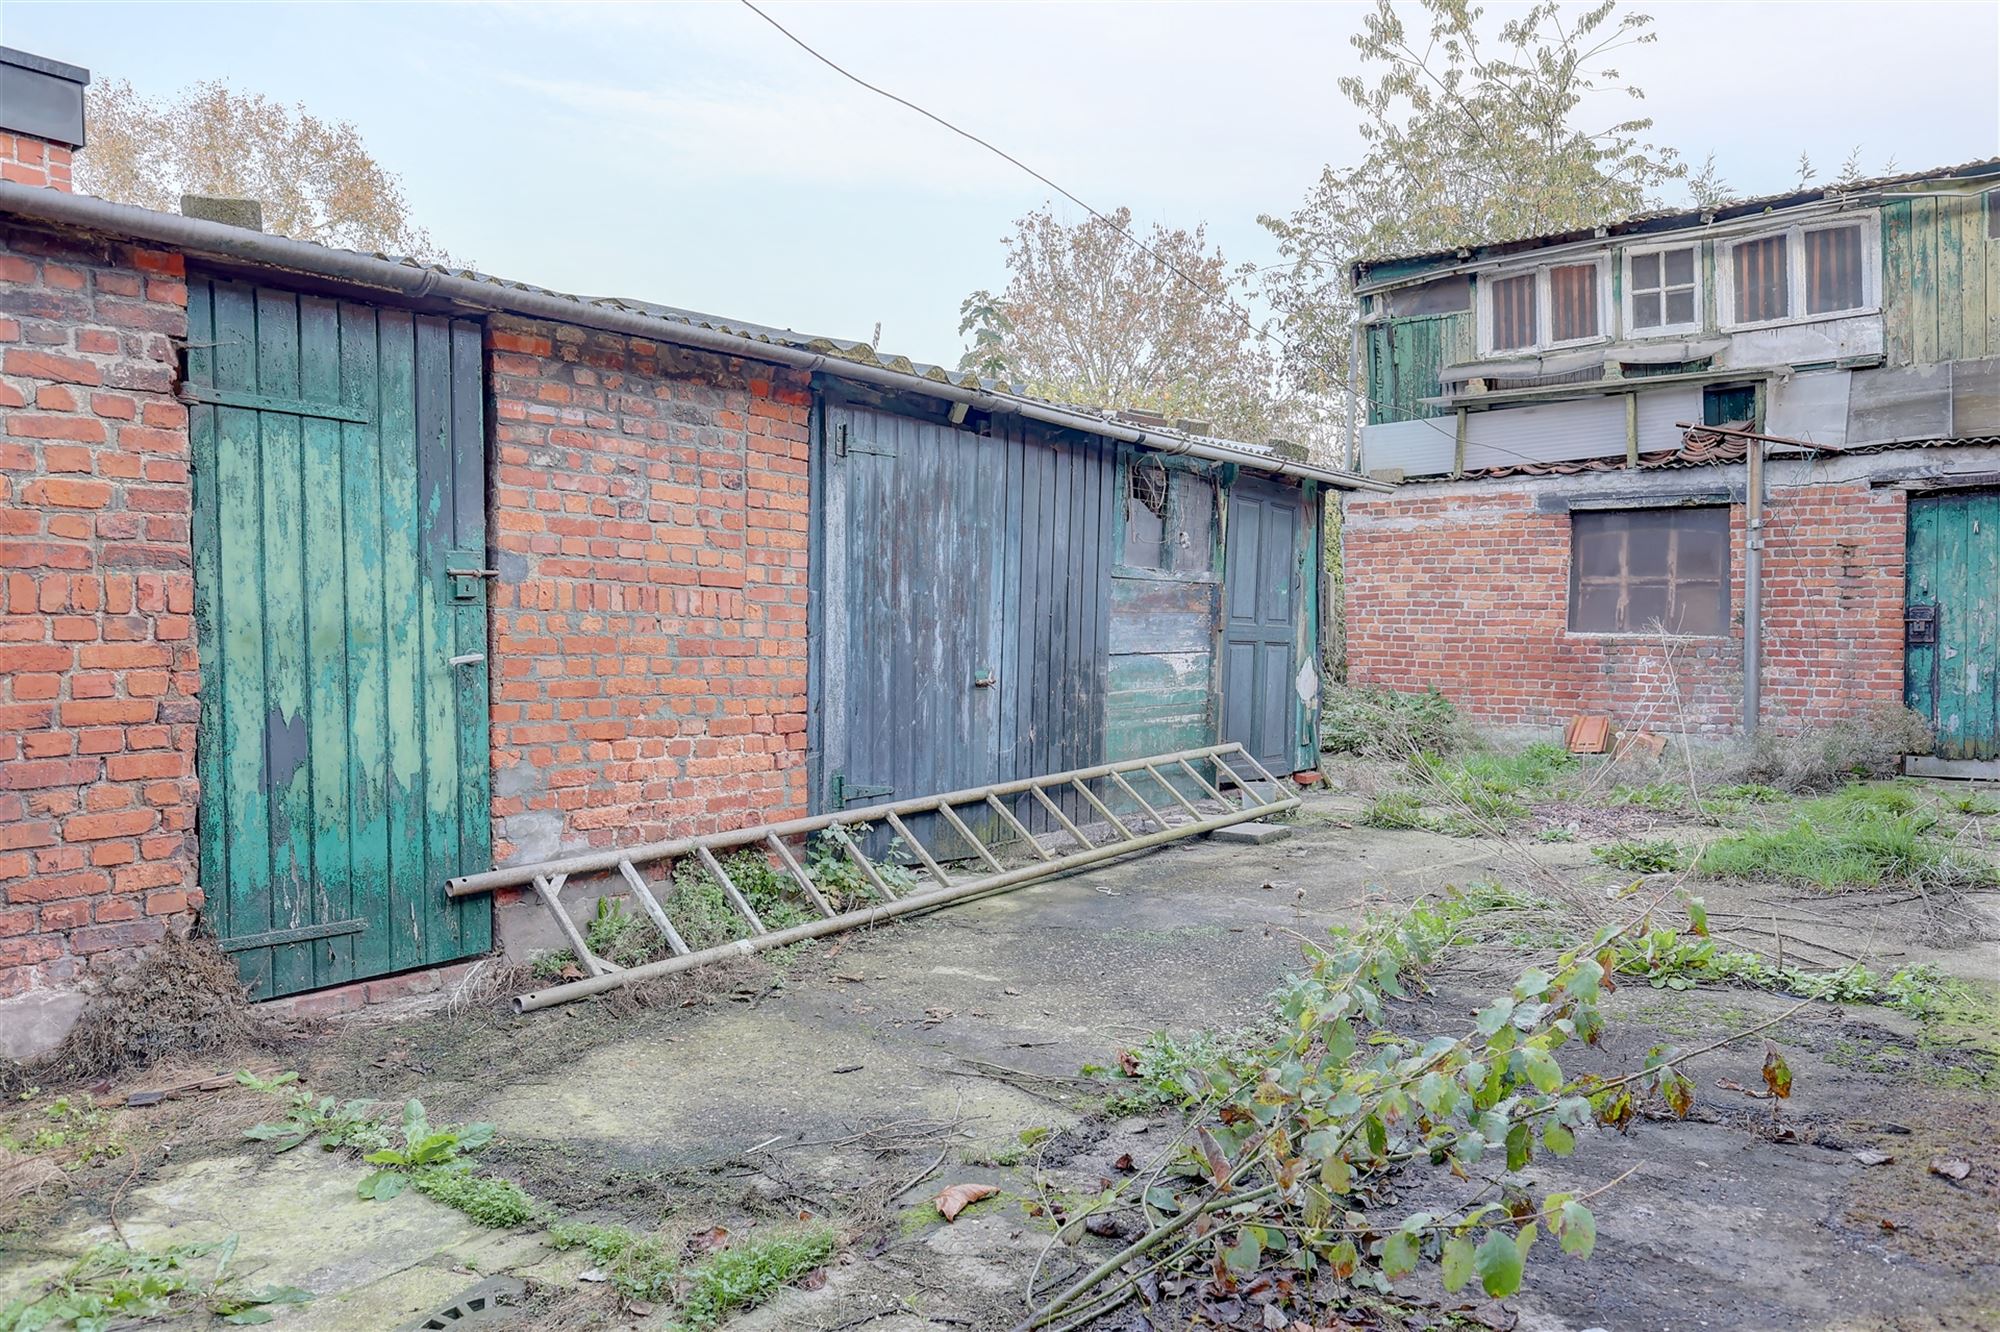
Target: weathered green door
<point>1952,626</point>
<point>338,481</point>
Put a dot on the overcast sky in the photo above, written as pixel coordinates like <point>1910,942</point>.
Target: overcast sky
<point>688,154</point>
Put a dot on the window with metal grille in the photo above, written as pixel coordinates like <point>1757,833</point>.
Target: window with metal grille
<point>1573,302</point>
<point>1763,282</point>
<point>1833,270</point>
<point>1169,518</point>
<point>1514,312</point>
<point>1662,284</point>
<point>1638,571</point>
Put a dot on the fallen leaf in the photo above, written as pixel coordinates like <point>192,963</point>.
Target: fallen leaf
<point>1102,1224</point>
<point>708,1241</point>
<point>959,1197</point>
<point>1777,1073</point>
<point>1124,1163</point>
<point>933,1016</point>
<point>850,979</point>
<point>1951,1168</point>
<point>813,1280</point>
<point>1128,1063</point>
<point>1868,1156</point>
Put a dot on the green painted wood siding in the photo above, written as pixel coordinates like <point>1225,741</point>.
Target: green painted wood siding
<point>1404,357</point>
<point>338,472</point>
<point>1940,281</point>
<point>1955,567</point>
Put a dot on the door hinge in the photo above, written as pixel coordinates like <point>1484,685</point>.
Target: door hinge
<point>844,793</point>
<point>844,444</point>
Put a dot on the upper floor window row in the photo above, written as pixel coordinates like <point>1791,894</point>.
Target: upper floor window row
<point>1803,272</point>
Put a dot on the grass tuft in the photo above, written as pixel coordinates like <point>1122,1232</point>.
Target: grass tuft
<point>1860,837</point>
<point>751,1271</point>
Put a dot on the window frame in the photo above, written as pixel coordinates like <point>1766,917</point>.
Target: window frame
<point>1175,467</point>
<point>1870,226</point>
<point>1630,323</point>
<point>1727,591</point>
<point>1544,305</point>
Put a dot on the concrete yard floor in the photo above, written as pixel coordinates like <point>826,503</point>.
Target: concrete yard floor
<point>876,1068</point>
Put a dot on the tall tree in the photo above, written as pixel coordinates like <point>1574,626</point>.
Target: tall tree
<point>1090,318</point>
<point>1470,138</point>
<point>315,178</point>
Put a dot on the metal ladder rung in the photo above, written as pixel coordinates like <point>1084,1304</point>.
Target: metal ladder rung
<point>1124,833</point>
<point>550,891</point>
<point>1249,792</point>
<point>729,889</point>
<point>916,846</point>
<point>1151,813</point>
<point>951,817</point>
<point>1020,829</point>
<point>1173,791</point>
<point>651,906</point>
<point>799,875</point>
<point>865,865</point>
<point>1203,783</point>
<point>1055,811</point>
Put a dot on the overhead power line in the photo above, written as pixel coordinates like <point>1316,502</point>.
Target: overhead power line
<point>1249,322</point>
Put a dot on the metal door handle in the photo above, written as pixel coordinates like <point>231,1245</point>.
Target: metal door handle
<point>468,659</point>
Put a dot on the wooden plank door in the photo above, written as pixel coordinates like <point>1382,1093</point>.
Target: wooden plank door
<point>339,478</point>
<point>1260,626</point>
<point>1952,638</point>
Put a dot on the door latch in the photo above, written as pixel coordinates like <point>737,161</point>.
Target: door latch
<point>1920,626</point>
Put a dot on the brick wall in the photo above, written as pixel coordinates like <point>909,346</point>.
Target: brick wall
<point>30,161</point>
<point>649,512</point>
<point>1467,588</point>
<point>97,655</point>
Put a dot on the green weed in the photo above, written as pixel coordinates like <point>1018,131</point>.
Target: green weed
<point>747,1273</point>
<point>488,1199</point>
<point>1978,804</point>
<point>1659,856</point>
<point>639,1267</point>
<point>71,1126</point>
<point>1862,837</point>
<point>355,1124</point>
<point>114,1286</point>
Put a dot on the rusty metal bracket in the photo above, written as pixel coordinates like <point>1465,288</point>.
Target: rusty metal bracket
<point>1079,843</point>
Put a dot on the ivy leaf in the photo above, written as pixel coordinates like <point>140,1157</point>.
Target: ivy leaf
<point>1399,1255</point>
<point>1579,1229</point>
<point>1457,1263</point>
<point>1558,1140</point>
<point>1498,1262</point>
<point>1541,1069</point>
<point>1777,1073</point>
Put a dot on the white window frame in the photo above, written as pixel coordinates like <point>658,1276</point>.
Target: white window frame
<point>1630,325</point>
<point>1543,305</point>
<point>1795,272</point>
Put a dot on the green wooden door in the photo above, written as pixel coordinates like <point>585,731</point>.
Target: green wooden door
<point>338,479</point>
<point>1952,652</point>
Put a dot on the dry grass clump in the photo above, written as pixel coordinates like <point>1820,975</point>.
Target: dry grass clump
<point>1864,748</point>
<point>181,997</point>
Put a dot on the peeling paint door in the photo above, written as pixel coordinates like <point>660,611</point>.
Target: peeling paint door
<point>1952,620</point>
<point>339,481</point>
<point>1262,564</point>
<point>963,600</point>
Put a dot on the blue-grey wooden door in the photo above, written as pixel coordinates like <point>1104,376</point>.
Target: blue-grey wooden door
<point>964,603</point>
<point>1261,584</point>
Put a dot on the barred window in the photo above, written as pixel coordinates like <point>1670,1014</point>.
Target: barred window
<point>1573,302</point>
<point>1636,571</point>
<point>1833,269</point>
<point>1514,312</point>
<point>1762,280</point>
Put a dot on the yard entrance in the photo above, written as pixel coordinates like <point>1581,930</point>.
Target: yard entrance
<point>1952,654</point>
<point>339,474</point>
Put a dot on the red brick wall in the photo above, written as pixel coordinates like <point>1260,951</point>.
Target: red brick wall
<point>1469,590</point>
<point>649,626</point>
<point>97,655</point>
<point>30,161</point>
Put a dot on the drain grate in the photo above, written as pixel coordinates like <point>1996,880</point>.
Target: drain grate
<point>493,1302</point>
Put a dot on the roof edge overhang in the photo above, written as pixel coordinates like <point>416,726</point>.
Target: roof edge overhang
<point>376,274</point>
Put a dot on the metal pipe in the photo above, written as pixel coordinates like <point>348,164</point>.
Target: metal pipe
<point>467,885</point>
<point>562,994</point>
<point>1753,579</point>
<point>221,241</point>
